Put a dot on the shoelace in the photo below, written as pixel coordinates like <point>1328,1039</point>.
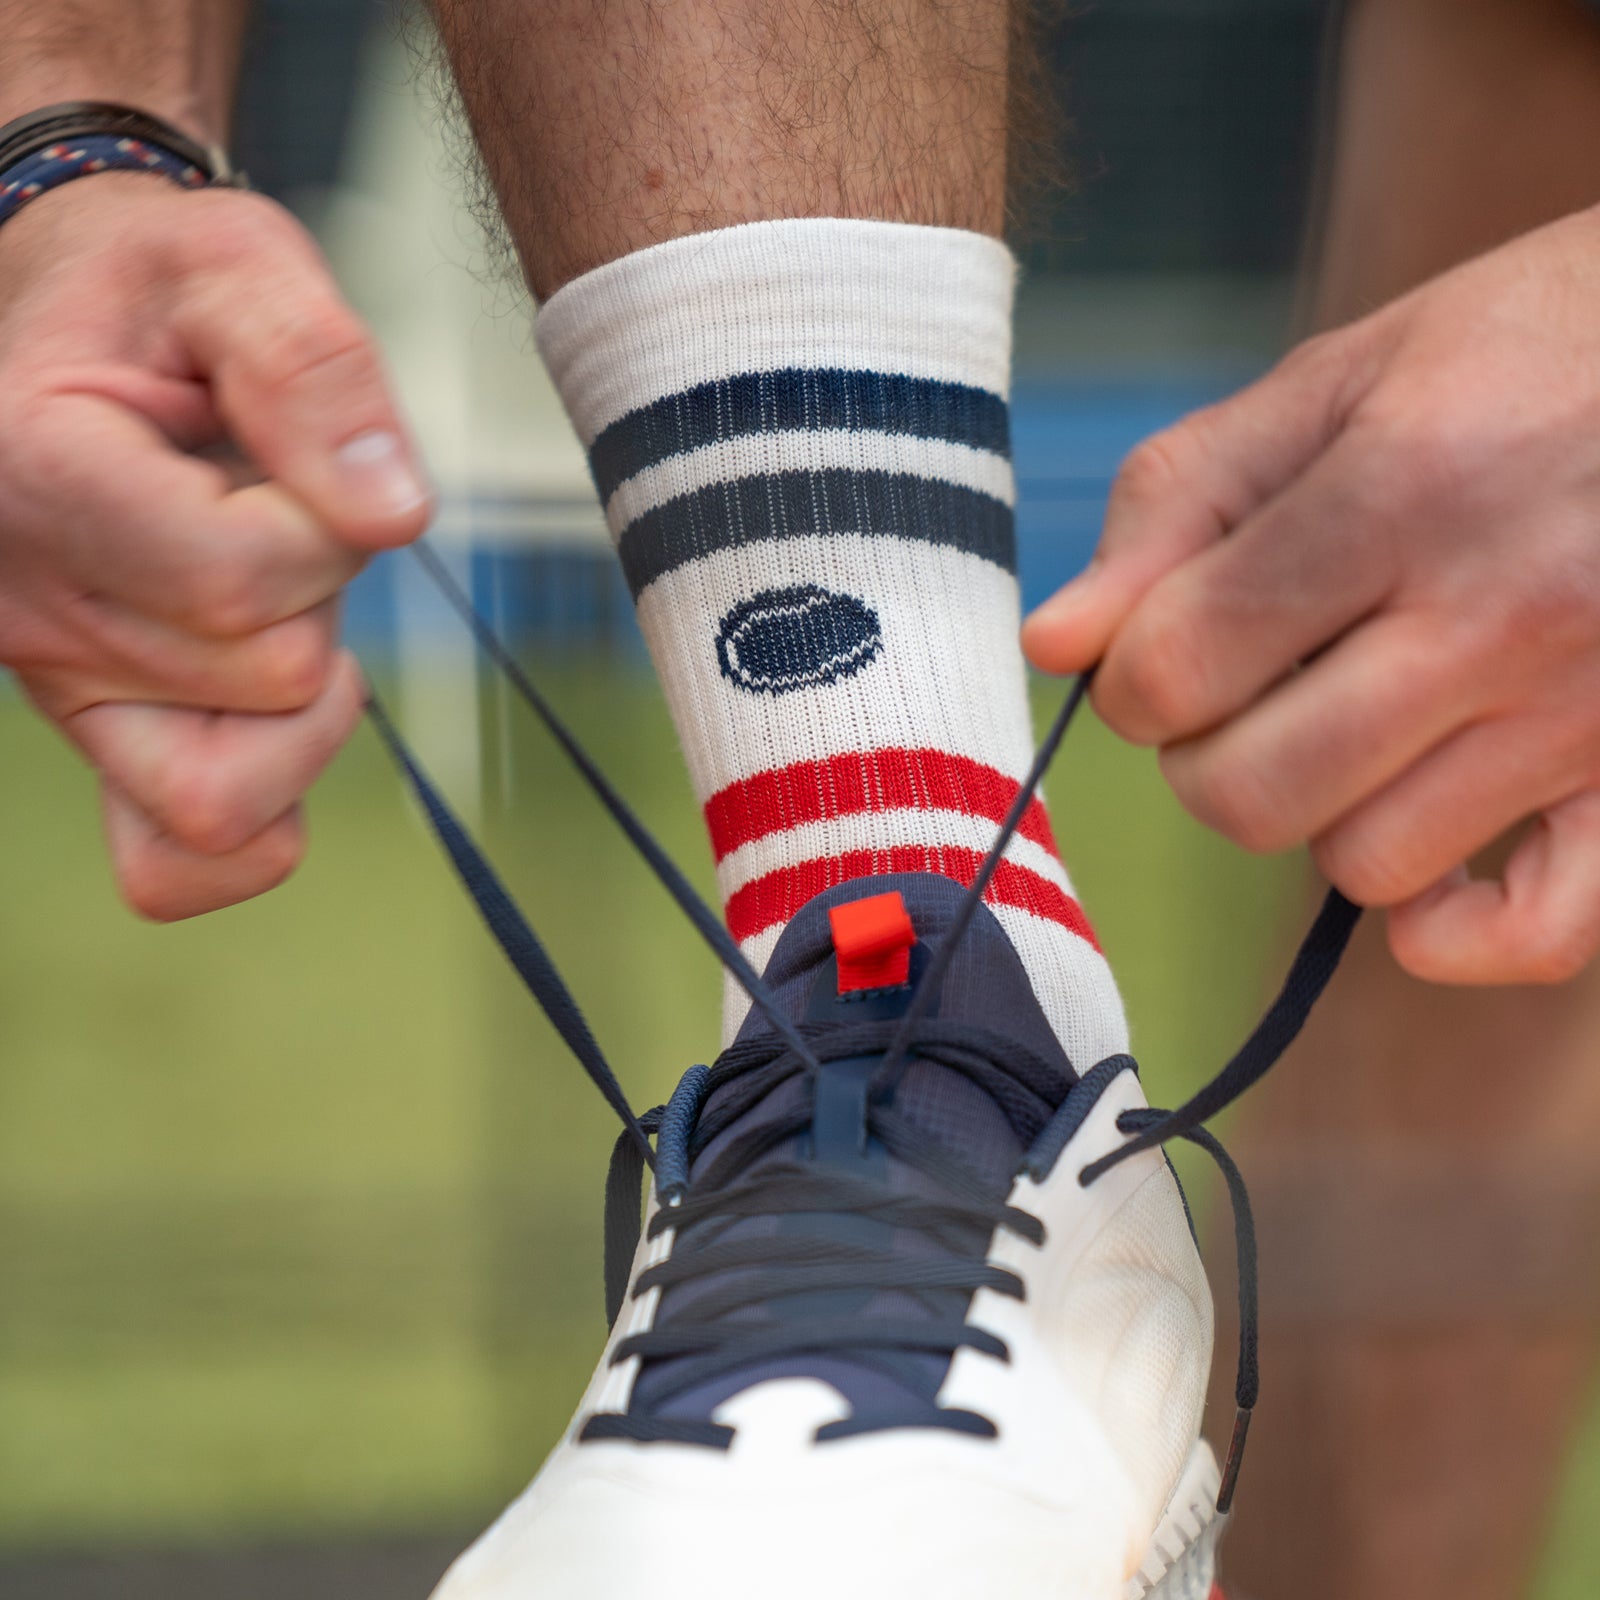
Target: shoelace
<point>820,1260</point>
<point>1313,966</point>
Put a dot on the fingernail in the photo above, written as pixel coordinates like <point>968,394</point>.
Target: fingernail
<point>1455,879</point>
<point>376,469</point>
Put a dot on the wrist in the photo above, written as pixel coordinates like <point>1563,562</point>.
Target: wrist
<point>60,144</point>
<point>202,116</point>
<point>173,59</point>
<point>77,222</point>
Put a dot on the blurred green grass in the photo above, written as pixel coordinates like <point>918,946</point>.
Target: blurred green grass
<point>299,1203</point>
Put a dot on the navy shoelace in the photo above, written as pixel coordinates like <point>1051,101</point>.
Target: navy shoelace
<point>713,1341</point>
<point>834,1232</point>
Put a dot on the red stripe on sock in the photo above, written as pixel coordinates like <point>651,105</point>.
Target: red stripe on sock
<point>865,780</point>
<point>774,898</point>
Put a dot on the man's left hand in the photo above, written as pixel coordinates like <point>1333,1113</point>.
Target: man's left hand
<point>1359,604</point>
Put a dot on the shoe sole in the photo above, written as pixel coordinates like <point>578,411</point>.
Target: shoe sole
<point>1181,1562</point>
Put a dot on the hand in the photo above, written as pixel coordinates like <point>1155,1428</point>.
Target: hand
<point>1359,604</point>
<point>198,450</point>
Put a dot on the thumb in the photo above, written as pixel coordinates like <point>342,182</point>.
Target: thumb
<point>1189,486</point>
<point>297,380</point>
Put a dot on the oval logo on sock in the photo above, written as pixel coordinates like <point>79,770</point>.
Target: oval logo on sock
<point>796,638</point>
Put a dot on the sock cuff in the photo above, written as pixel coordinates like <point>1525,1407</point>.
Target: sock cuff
<point>922,306</point>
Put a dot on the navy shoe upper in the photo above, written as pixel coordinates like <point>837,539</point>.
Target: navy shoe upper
<point>826,1237</point>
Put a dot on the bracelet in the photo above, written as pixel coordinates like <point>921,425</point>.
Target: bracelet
<point>50,147</point>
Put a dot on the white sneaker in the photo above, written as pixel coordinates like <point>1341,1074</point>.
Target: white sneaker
<point>879,1340</point>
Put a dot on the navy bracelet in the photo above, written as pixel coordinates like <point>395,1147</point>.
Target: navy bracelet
<point>42,170</point>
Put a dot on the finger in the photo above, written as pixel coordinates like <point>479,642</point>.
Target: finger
<point>1327,737</point>
<point>299,382</point>
<point>163,881</point>
<point>1443,810</point>
<point>212,782</point>
<point>1188,487</point>
<point>167,534</point>
<point>123,658</point>
<point>1539,924</point>
<point>1209,637</point>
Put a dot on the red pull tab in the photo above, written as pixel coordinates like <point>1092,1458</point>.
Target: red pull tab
<point>872,939</point>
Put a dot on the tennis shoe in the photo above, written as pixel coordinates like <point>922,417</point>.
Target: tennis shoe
<point>884,1334</point>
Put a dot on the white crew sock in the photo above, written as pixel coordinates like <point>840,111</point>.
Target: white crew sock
<point>799,431</point>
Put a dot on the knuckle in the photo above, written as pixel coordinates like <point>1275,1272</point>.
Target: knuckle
<point>203,811</point>
<point>319,342</point>
<point>1159,672</point>
<point>1316,354</point>
<point>154,888</point>
<point>1422,463</point>
<point>290,327</point>
<point>1153,469</point>
<point>290,662</point>
<point>1235,798</point>
<point>223,596</point>
<point>1552,599</point>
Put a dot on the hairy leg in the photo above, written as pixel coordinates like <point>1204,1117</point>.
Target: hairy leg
<point>607,126</point>
<point>1420,1165</point>
<point>778,316</point>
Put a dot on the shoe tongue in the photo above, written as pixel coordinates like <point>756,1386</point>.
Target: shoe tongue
<point>985,985</point>
<point>987,1129</point>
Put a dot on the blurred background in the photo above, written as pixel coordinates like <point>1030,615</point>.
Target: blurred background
<point>300,1204</point>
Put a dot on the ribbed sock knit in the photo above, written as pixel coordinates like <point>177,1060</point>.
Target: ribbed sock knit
<point>800,434</point>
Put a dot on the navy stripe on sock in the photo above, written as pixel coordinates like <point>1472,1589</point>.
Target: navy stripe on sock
<point>793,400</point>
<point>793,505</point>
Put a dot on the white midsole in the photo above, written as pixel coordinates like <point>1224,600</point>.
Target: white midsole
<point>1181,1561</point>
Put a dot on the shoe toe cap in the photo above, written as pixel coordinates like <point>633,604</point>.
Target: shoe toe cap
<point>908,1514</point>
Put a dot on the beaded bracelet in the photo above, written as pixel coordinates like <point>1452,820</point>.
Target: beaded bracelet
<point>50,147</point>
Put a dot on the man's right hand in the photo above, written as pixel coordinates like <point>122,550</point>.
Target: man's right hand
<point>198,450</point>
